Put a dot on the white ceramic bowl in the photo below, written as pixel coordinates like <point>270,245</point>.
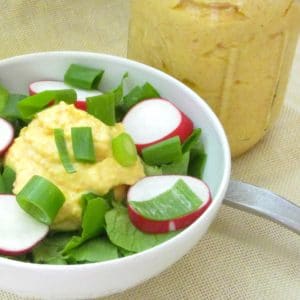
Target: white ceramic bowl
<point>101,279</point>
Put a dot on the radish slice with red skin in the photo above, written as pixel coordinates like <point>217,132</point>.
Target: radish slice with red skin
<point>44,85</point>
<point>6,135</point>
<point>19,232</point>
<point>154,120</point>
<point>152,186</point>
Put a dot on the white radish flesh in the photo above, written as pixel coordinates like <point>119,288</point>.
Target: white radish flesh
<point>6,135</point>
<point>40,86</point>
<point>155,120</point>
<point>19,232</point>
<point>150,187</point>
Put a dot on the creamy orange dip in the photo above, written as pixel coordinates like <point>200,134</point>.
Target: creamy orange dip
<point>34,153</point>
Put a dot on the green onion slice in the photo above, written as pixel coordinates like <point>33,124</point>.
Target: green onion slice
<point>138,93</point>
<point>164,152</point>
<point>175,202</point>
<point>103,108</point>
<point>31,105</point>
<point>192,140</point>
<point>82,143</point>
<point>3,97</point>
<point>63,151</point>
<point>124,150</point>
<point>41,199</point>
<point>83,77</point>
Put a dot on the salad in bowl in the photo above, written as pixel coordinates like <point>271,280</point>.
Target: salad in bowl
<point>105,164</point>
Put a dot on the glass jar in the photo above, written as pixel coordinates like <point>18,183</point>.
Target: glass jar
<point>236,54</point>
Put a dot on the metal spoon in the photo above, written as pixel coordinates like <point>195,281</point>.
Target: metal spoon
<point>263,203</point>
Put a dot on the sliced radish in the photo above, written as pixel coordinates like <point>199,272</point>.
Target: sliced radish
<point>40,86</point>
<point>6,135</point>
<point>154,120</point>
<point>150,187</point>
<point>19,232</point>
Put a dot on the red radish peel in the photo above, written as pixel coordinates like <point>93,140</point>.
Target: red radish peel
<point>154,120</point>
<point>6,135</point>
<point>19,232</point>
<point>152,186</point>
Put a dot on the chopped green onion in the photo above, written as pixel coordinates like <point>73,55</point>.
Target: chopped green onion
<point>138,93</point>
<point>175,202</point>
<point>93,220</point>
<point>3,97</point>
<point>164,152</point>
<point>178,167</point>
<point>9,177</point>
<point>82,142</point>
<point>191,140</point>
<point>83,77</point>
<point>124,150</point>
<point>63,151</point>
<point>31,105</point>
<point>103,108</point>
<point>11,111</point>
<point>41,199</point>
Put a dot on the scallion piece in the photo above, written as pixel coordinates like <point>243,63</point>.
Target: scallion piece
<point>41,199</point>
<point>31,105</point>
<point>192,140</point>
<point>164,152</point>
<point>175,202</point>
<point>124,150</point>
<point>3,97</point>
<point>82,143</point>
<point>103,108</point>
<point>83,77</point>
<point>63,151</point>
<point>138,93</point>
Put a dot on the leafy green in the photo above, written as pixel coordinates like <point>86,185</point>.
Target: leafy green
<point>93,221</point>
<point>49,250</point>
<point>3,97</point>
<point>124,234</point>
<point>95,250</point>
<point>178,167</point>
<point>198,159</point>
<point>8,179</point>
<point>11,111</point>
<point>192,140</point>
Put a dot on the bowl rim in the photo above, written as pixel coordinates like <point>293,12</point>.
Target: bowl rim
<point>210,114</point>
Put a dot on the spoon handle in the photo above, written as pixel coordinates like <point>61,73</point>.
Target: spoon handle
<point>263,203</point>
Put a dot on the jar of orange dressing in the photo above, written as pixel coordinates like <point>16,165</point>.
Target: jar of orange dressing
<point>236,54</point>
